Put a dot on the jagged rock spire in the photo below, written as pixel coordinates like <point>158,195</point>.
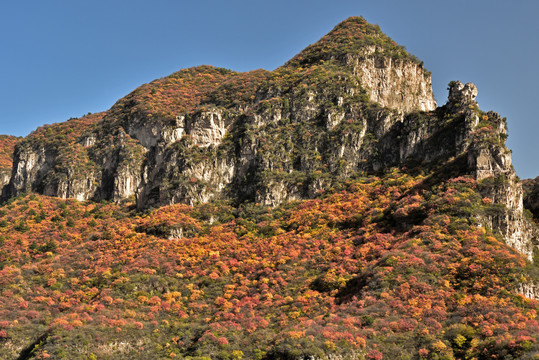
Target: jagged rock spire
<point>462,94</point>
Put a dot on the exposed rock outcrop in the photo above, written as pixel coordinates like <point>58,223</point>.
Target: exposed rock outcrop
<point>529,290</point>
<point>401,85</point>
<point>490,161</point>
<point>354,102</point>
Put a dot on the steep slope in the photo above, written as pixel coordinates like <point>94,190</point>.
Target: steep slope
<point>355,102</point>
<point>324,210</point>
<point>54,160</point>
<point>383,267</point>
<point>184,118</point>
<point>391,76</point>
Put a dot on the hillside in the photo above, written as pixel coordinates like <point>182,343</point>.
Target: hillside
<point>380,266</point>
<point>324,210</point>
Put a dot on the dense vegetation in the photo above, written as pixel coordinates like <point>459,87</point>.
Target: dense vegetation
<point>385,264</point>
<point>351,37</point>
<point>379,268</point>
<point>7,144</point>
<point>172,95</point>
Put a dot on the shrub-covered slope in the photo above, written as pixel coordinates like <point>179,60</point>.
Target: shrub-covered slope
<point>7,145</point>
<point>382,267</point>
<point>324,210</point>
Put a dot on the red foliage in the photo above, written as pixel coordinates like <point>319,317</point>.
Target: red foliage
<point>332,273</point>
<point>7,145</point>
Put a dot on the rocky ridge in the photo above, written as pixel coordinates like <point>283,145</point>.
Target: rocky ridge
<point>396,248</point>
<point>353,103</point>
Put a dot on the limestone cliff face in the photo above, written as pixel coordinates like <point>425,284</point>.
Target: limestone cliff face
<point>529,290</point>
<point>353,103</point>
<point>5,176</point>
<point>54,160</point>
<point>401,85</point>
<point>34,170</point>
<point>29,166</point>
<point>490,161</point>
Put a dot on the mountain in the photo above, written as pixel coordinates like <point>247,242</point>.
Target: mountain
<point>324,210</point>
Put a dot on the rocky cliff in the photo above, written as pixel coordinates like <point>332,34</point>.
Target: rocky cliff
<point>353,103</point>
<point>396,248</point>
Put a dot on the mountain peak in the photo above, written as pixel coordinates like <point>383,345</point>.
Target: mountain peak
<point>354,35</point>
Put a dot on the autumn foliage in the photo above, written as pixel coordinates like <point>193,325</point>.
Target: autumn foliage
<point>379,268</point>
<point>165,98</point>
<point>393,266</point>
<point>350,36</point>
<point>7,144</point>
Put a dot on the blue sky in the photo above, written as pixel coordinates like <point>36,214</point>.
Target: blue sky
<point>65,58</point>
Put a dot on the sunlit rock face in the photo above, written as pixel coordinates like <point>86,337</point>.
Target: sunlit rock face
<point>355,102</point>
<point>397,84</point>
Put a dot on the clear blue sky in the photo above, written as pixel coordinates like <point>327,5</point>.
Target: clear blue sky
<point>65,58</point>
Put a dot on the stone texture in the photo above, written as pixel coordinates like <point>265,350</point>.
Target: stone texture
<point>401,85</point>
<point>529,290</point>
<point>291,142</point>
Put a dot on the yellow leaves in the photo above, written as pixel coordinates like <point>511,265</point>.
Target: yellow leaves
<point>296,334</point>
<point>130,314</point>
<point>294,314</point>
<point>106,273</point>
<point>459,340</point>
<point>196,294</point>
<point>59,273</point>
<point>172,296</point>
<point>438,346</point>
<point>237,354</point>
<point>532,314</point>
<point>77,323</point>
<point>330,345</point>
